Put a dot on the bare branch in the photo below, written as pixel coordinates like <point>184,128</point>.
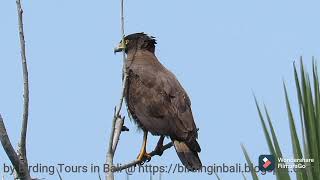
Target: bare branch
<point>23,173</point>
<point>59,174</point>
<point>137,162</point>
<point>22,144</point>
<point>99,175</point>
<point>19,161</point>
<point>110,153</point>
<point>114,136</point>
<point>117,132</point>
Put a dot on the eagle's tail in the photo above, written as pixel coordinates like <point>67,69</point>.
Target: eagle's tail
<point>188,157</point>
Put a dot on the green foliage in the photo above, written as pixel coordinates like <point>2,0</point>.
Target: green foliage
<point>253,173</point>
<point>308,95</point>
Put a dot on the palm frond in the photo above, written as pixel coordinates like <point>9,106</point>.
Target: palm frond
<point>307,147</point>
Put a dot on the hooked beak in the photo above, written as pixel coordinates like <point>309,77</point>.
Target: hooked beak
<point>119,48</point>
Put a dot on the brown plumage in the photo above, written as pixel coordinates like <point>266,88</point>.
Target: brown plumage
<point>157,101</point>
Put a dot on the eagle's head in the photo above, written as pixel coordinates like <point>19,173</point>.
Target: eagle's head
<point>137,41</point>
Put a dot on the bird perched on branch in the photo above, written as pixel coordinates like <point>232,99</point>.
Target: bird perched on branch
<point>157,102</point>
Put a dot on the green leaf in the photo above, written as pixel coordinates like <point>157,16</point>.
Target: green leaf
<point>316,99</point>
<point>310,123</point>
<point>308,95</point>
<point>265,130</point>
<point>282,173</point>
<point>273,134</point>
<point>253,173</point>
<point>301,174</point>
<point>302,116</point>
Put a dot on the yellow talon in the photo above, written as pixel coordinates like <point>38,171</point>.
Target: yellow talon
<point>143,155</point>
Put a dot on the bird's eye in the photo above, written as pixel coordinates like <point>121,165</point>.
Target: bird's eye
<point>126,42</point>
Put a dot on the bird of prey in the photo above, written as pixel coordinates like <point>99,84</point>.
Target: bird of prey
<point>157,102</point>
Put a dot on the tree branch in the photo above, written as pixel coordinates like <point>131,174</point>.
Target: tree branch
<point>19,161</point>
<point>99,176</point>
<point>116,127</point>
<point>18,165</point>
<point>60,177</point>
<point>22,144</point>
<point>117,124</point>
<point>117,132</point>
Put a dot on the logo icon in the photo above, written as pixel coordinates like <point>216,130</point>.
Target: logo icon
<point>266,162</point>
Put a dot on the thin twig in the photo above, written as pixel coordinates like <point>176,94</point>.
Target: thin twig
<point>117,132</point>
<point>110,152</point>
<point>99,175</point>
<point>58,174</point>
<point>137,162</point>
<point>116,129</point>
<point>122,33</point>
<point>20,168</point>
<point>19,161</point>
<point>22,144</point>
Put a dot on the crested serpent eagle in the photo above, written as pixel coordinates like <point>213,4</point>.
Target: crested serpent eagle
<point>157,102</point>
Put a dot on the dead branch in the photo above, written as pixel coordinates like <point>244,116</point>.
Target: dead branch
<point>99,176</point>
<point>117,132</point>
<point>117,124</point>
<point>19,160</point>
<point>116,127</point>
<point>60,177</point>
<point>22,144</point>
<point>18,165</point>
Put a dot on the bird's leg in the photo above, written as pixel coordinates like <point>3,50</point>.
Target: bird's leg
<point>158,149</point>
<point>143,155</point>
